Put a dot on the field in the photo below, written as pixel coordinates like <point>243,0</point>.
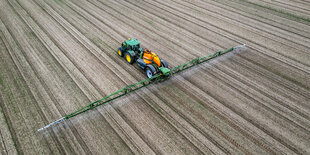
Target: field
<point>57,56</point>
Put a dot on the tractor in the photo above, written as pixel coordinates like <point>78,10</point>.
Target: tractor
<point>146,60</point>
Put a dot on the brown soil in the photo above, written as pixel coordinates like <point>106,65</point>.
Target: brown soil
<point>58,56</point>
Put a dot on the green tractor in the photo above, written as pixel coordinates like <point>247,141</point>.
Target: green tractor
<point>146,60</point>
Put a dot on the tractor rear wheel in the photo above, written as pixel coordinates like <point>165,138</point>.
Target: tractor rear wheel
<point>129,58</point>
<point>150,71</point>
<point>164,63</point>
<point>120,52</point>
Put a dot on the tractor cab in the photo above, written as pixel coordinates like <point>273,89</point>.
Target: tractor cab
<point>131,44</point>
<point>130,49</point>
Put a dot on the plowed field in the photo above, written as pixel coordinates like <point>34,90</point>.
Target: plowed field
<point>57,56</point>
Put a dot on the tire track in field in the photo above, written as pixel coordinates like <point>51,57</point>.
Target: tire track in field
<point>7,142</point>
<point>292,146</point>
<point>139,28</point>
<point>232,38</point>
<point>173,9</point>
<point>285,23</point>
<point>234,126</point>
<point>222,12</point>
<point>206,131</point>
<point>178,119</point>
<point>110,55</point>
<point>267,68</point>
<point>240,113</point>
<point>86,44</point>
<point>230,123</point>
<point>293,84</point>
<point>157,106</point>
<point>277,11</point>
<point>257,94</point>
<point>5,110</point>
<point>261,51</point>
<point>78,137</point>
<point>74,130</point>
<point>195,88</point>
<point>300,5</point>
<point>275,80</point>
<point>300,10</point>
<point>216,114</point>
<point>141,18</point>
<point>208,123</point>
<point>111,52</point>
<point>173,27</point>
<point>297,27</point>
<point>294,94</point>
<point>16,47</point>
<point>214,127</point>
<point>156,32</point>
<point>17,65</point>
<point>5,133</point>
<point>97,22</point>
<point>209,138</point>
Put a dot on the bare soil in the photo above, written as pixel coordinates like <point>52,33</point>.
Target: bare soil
<point>58,56</point>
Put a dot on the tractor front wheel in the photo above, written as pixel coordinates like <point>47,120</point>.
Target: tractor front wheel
<point>120,52</point>
<point>129,58</point>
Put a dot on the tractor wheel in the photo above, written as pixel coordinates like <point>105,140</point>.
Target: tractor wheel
<point>164,63</point>
<point>150,71</point>
<point>129,58</point>
<point>120,52</point>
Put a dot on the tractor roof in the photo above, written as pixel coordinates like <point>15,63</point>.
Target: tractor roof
<point>132,42</point>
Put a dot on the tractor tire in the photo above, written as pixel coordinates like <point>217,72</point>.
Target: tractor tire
<point>130,58</point>
<point>150,71</point>
<point>164,63</point>
<point>120,52</point>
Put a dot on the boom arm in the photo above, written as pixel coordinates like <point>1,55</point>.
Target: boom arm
<point>141,84</point>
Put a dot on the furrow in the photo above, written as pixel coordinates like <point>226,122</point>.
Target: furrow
<point>287,7</point>
<point>233,29</point>
<point>280,12</point>
<point>14,55</point>
<point>287,136</point>
<point>73,109</point>
<point>258,48</point>
<point>285,36</point>
<point>242,108</point>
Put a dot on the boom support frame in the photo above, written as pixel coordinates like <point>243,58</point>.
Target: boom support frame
<point>141,84</point>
